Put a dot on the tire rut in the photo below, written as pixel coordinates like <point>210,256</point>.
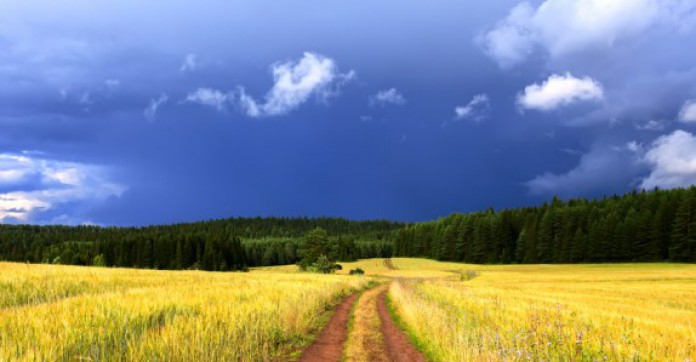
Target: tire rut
<point>398,347</point>
<point>391,344</point>
<point>329,344</point>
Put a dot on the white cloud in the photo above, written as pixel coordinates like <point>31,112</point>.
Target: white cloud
<point>189,63</point>
<point>561,27</point>
<point>387,96</point>
<point>604,169</point>
<point>673,161</point>
<point>34,187</point>
<point>652,125</point>
<point>634,146</point>
<point>150,111</point>
<point>248,104</point>
<point>512,40</point>
<point>688,112</point>
<point>209,97</point>
<point>475,109</point>
<point>558,91</point>
<point>294,83</point>
<point>668,162</point>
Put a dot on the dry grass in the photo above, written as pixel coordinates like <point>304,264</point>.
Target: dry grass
<point>561,312</point>
<point>407,268</point>
<point>365,341</point>
<point>97,314</point>
<point>536,312</point>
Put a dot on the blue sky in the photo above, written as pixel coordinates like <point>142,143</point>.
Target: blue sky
<point>132,113</point>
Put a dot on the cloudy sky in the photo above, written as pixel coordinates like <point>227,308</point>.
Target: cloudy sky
<point>130,113</point>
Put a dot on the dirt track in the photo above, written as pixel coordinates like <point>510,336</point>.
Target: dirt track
<point>329,344</point>
<point>389,264</point>
<point>398,347</point>
<point>394,345</point>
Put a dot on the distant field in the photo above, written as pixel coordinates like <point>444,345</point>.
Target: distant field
<point>98,314</point>
<point>454,312</point>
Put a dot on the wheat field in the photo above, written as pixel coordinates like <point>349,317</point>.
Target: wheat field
<point>616,312</point>
<point>453,312</point>
<point>65,313</point>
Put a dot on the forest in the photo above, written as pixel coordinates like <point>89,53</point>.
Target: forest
<point>645,226</point>
<point>227,244</point>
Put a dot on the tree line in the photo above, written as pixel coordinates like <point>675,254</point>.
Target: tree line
<point>645,226</point>
<point>219,245</point>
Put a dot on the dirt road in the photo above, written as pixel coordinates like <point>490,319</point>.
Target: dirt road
<point>398,347</point>
<point>329,344</point>
<point>374,335</point>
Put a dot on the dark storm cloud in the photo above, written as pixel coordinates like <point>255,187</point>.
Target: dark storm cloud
<point>114,89</point>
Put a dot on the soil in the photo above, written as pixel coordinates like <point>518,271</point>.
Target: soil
<point>389,264</point>
<point>366,342</point>
<point>398,347</point>
<point>328,346</point>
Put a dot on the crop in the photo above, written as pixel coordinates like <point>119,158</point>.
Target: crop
<point>67,313</point>
<point>620,312</point>
<point>454,312</point>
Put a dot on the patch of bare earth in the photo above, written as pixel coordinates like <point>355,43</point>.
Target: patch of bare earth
<point>366,342</point>
<point>389,264</point>
<point>374,336</point>
<point>328,346</point>
<point>397,346</point>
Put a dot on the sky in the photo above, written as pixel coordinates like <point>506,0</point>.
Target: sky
<point>134,113</point>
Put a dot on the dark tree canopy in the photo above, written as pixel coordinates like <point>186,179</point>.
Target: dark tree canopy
<point>640,226</point>
<point>230,244</point>
<point>637,227</point>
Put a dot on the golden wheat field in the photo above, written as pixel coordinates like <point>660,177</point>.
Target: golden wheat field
<point>453,312</point>
<point>629,312</point>
<point>65,313</point>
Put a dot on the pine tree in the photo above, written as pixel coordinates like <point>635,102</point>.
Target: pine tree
<point>577,251</point>
<point>546,237</point>
<point>449,240</point>
<point>684,229</point>
<point>316,244</point>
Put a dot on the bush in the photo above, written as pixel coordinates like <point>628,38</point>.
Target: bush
<point>324,265</point>
<point>357,271</point>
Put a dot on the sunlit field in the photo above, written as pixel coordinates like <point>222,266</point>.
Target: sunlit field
<point>464,312</point>
<point>453,312</point>
<point>98,314</point>
<point>551,312</point>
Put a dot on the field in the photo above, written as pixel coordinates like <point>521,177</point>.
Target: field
<point>452,312</point>
<point>547,312</point>
<point>98,314</point>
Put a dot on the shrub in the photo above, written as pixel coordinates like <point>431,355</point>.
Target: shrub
<point>357,271</point>
<point>324,265</point>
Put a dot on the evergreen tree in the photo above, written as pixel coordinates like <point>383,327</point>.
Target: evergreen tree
<point>316,244</point>
<point>684,229</point>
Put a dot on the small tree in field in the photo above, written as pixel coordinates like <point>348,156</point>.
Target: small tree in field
<point>324,265</point>
<point>357,271</point>
<point>315,252</point>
